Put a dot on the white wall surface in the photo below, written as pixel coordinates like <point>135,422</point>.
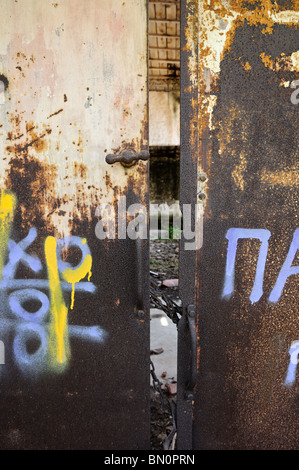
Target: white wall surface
<point>164,118</point>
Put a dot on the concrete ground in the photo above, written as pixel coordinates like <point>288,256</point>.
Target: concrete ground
<point>163,337</point>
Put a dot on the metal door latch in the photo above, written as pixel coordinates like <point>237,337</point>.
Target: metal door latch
<point>127,157</point>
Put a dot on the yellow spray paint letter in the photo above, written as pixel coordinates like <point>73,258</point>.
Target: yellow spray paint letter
<point>7,208</point>
<point>73,275</point>
<point>58,333</point>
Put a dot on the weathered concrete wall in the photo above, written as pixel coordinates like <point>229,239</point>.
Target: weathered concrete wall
<point>164,118</point>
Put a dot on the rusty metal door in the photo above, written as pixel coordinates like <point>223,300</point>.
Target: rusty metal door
<point>74,325</point>
<point>238,338</point>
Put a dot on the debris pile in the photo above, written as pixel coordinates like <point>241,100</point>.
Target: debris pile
<point>164,283</point>
<point>164,295</point>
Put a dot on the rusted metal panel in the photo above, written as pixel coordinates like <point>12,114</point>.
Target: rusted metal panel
<point>74,321</point>
<point>241,116</point>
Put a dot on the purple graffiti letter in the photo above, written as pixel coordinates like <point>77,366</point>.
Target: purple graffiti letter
<point>233,235</point>
<point>286,270</point>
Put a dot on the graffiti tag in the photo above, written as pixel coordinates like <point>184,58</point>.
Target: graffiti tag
<point>48,324</point>
<point>233,235</point>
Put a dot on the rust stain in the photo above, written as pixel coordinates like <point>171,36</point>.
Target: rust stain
<point>246,66</point>
<point>295,61</point>
<point>212,25</point>
<point>32,182</point>
<point>80,146</point>
<point>33,139</point>
<point>41,97</point>
<point>55,114</point>
<point>191,43</point>
<point>238,173</point>
<point>286,178</point>
<point>241,39</point>
<point>79,170</point>
<point>267,61</point>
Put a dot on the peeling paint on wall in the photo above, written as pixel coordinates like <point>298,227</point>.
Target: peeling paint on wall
<point>214,34</point>
<point>40,127</point>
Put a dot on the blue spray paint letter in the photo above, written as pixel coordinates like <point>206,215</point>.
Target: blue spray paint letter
<point>18,255</point>
<point>286,270</point>
<point>18,297</point>
<point>233,235</point>
<point>31,363</point>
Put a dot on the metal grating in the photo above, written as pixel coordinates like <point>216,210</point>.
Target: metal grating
<point>164,44</point>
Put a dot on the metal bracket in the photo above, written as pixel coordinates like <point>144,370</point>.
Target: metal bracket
<point>140,294</point>
<point>191,317</point>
